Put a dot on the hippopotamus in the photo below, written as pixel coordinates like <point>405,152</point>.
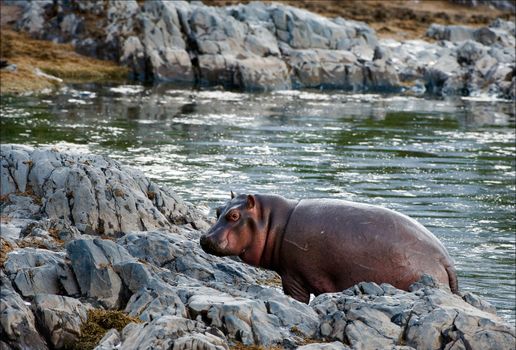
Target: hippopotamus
<point>327,245</point>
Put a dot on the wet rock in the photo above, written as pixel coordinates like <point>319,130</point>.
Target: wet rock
<point>60,319</point>
<point>17,321</point>
<point>171,332</point>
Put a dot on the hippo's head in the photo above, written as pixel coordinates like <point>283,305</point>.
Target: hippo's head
<point>234,233</point>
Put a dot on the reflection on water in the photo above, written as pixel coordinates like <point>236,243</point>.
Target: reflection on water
<point>450,164</point>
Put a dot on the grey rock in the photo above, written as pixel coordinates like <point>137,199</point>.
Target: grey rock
<point>244,319</point>
<point>60,319</point>
<point>93,193</point>
<point>181,253</point>
<point>470,52</point>
<point>297,317</point>
<point>325,346</point>
<point>155,300</point>
<point>92,261</point>
<point>505,5</point>
<point>110,340</point>
<point>259,46</point>
<point>17,322</point>
<point>33,18</point>
<point>426,318</point>
<point>171,332</point>
<point>321,68</point>
<point>34,271</point>
<point>477,302</point>
<point>451,33</point>
<point>370,288</point>
<point>135,275</point>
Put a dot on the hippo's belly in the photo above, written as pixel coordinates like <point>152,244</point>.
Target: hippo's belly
<point>330,245</point>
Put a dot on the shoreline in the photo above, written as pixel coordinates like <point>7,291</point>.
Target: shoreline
<point>401,48</point>
<point>138,262</point>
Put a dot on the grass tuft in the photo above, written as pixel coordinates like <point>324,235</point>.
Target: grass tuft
<point>98,323</point>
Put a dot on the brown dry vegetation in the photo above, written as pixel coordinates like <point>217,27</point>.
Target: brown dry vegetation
<point>240,346</point>
<point>397,19</point>
<point>5,248</point>
<point>98,323</point>
<point>58,60</point>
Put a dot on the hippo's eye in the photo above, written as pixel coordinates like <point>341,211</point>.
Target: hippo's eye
<point>217,212</point>
<point>233,216</point>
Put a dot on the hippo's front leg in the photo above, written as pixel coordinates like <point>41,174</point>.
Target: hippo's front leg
<point>295,289</point>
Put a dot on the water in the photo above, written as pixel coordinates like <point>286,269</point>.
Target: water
<point>449,164</point>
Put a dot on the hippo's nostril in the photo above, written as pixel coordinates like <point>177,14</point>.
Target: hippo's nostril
<point>205,244</point>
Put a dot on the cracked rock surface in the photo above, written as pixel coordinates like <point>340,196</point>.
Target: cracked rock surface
<point>58,262</point>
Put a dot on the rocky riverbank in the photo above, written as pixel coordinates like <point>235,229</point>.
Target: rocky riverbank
<point>263,46</point>
<point>82,235</point>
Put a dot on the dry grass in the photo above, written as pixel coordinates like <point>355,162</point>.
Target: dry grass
<point>272,282</point>
<point>58,60</point>
<point>240,346</point>
<point>98,323</point>
<point>5,248</point>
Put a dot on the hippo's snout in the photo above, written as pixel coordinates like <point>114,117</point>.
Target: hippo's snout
<point>212,246</point>
<point>205,243</point>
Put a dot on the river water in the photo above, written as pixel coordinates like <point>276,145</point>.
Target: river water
<point>448,163</point>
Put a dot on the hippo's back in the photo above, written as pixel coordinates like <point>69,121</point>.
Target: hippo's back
<point>333,244</point>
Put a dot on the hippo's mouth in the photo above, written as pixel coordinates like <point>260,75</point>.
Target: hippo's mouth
<point>214,248</point>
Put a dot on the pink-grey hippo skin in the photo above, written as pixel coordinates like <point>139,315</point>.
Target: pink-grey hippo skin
<point>327,245</point>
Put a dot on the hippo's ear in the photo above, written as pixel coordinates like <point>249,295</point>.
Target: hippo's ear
<point>232,195</point>
<point>250,201</point>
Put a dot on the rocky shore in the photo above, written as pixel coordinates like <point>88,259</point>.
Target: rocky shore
<point>264,46</point>
<point>82,234</point>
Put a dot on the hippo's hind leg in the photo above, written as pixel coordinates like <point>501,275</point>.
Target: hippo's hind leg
<point>452,279</point>
<point>294,289</point>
